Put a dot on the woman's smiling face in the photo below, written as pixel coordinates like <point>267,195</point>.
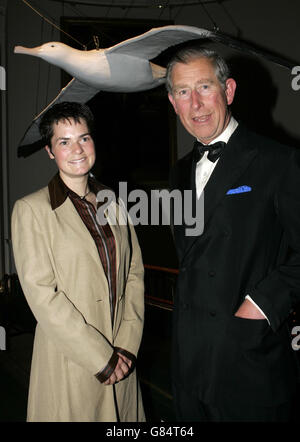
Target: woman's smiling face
<point>73,148</point>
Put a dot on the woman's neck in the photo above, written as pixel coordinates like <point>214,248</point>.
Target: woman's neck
<point>79,185</point>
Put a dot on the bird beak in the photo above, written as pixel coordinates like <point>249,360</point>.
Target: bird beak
<point>27,51</point>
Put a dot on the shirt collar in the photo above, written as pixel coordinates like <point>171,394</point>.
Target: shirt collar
<point>59,191</point>
<point>226,134</point>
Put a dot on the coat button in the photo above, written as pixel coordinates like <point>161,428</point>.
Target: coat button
<point>212,313</point>
<point>211,273</point>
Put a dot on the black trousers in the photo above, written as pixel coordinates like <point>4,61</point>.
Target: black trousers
<point>189,408</point>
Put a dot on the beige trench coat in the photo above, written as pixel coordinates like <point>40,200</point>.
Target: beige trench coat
<point>64,283</point>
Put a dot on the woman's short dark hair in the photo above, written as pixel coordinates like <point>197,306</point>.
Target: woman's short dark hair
<point>66,110</point>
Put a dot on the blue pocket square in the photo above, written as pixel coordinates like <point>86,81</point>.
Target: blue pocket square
<point>240,189</point>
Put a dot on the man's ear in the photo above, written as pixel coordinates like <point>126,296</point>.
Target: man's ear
<point>49,152</point>
<point>171,98</point>
<point>230,90</point>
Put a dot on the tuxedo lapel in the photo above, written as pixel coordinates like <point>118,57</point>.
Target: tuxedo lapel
<point>183,178</point>
<point>235,159</point>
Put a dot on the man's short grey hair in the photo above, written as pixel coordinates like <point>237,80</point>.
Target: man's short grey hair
<point>186,55</point>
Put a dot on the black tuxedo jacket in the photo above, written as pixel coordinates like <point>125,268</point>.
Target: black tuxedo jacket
<point>250,245</point>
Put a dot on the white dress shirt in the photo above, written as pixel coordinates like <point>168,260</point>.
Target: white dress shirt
<point>205,167</point>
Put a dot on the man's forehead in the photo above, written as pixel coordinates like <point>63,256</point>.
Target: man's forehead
<point>198,82</point>
<point>196,67</point>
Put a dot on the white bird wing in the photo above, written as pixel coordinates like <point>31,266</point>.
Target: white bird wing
<point>152,43</point>
<point>146,46</point>
<point>75,90</point>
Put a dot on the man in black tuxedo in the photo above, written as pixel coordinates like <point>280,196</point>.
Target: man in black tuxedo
<point>240,279</point>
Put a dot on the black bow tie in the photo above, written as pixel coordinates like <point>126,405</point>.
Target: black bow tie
<point>214,150</point>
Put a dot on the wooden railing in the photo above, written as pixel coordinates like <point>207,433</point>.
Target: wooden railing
<point>160,285</point>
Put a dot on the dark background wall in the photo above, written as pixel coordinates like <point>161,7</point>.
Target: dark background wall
<point>265,98</point>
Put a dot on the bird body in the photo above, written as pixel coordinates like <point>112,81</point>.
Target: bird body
<point>100,68</point>
<point>124,67</point>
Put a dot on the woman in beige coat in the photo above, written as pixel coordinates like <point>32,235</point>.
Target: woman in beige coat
<point>83,282</point>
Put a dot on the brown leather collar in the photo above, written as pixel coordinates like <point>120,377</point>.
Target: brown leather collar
<point>59,191</point>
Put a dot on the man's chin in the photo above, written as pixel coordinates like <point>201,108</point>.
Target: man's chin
<point>205,139</point>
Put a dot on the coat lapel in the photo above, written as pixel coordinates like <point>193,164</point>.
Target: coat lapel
<point>68,220</point>
<point>235,159</point>
<point>182,179</point>
<point>118,222</point>
<point>111,213</point>
<point>237,156</point>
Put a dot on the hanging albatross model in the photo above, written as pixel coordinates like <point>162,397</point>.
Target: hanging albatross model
<point>124,67</point>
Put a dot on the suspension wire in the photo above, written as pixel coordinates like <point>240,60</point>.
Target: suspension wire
<point>136,5</point>
<point>162,8</point>
<point>96,41</point>
<point>170,13</point>
<point>39,73</point>
<point>48,73</point>
<point>51,23</point>
<point>128,8</point>
<point>178,12</point>
<point>216,27</point>
<point>225,10</point>
<point>92,26</point>
<point>108,10</point>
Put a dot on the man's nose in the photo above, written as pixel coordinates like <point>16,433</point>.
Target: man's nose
<point>196,100</point>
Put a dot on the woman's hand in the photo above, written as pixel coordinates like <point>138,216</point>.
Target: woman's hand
<point>121,370</point>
